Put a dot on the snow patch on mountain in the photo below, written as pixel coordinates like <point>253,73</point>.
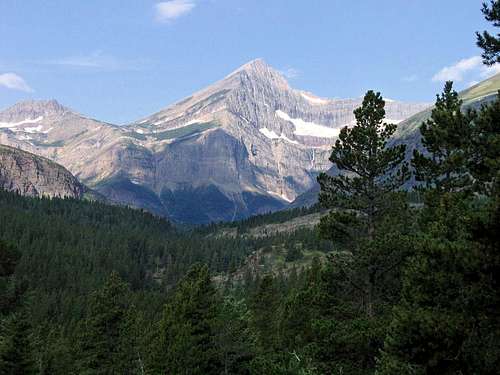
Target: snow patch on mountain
<point>282,196</point>
<point>272,135</point>
<point>14,124</point>
<point>314,99</point>
<point>306,128</point>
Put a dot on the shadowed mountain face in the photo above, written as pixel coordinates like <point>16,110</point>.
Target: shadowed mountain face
<point>408,130</point>
<point>247,144</point>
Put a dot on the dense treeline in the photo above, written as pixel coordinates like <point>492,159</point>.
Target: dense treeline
<point>395,288</point>
<point>59,256</point>
<point>92,289</point>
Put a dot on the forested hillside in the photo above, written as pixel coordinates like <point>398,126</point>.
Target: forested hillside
<point>373,280</point>
<point>90,288</point>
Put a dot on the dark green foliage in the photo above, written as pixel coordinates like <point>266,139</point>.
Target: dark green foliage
<point>264,306</point>
<point>369,170</point>
<point>446,137</point>
<point>16,356</point>
<point>294,253</point>
<point>447,320</point>
<point>103,341</point>
<point>363,199</point>
<point>235,339</point>
<point>187,338</point>
<point>490,44</point>
<point>484,158</point>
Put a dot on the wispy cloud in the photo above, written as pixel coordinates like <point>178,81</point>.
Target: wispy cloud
<point>290,73</point>
<point>457,71</point>
<point>14,82</point>
<point>98,60</point>
<point>470,68</point>
<point>167,11</point>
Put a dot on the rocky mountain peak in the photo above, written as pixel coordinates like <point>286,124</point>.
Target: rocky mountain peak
<point>35,176</point>
<point>32,109</point>
<point>258,70</point>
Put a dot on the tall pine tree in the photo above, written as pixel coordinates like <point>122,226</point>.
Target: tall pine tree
<point>187,338</point>
<point>446,137</point>
<point>490,44</point>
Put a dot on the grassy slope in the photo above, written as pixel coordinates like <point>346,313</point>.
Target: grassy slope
<point>478,93</point>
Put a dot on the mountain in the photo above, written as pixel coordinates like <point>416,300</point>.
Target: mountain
<point>245,145</point>
<point>408,130</point>
<point>34,176</point>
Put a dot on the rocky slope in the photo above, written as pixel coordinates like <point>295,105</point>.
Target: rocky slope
<point>35,176</point>
<point>408,130</point>
<point>247,144</point>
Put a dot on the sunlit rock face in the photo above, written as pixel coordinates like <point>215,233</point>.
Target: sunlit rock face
<point>35,176</point>
<point>247,144</point>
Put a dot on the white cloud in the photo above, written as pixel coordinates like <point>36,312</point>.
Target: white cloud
<point>290,73</point>
<point>457,71</point>
<point>169,10</point>
<point>14,82</point>
<point>97,60</point>
<point>470,70</point>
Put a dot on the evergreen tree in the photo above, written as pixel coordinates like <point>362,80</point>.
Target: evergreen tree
<point>100,349</point>
<point>484,159</point>
<point>361,196</point>
<point>235,340</point>
<point>490,44</point>
<point>187,340</point>
<point>16,355</point>
<point>447,320</point>
<point>446,137</point>
<point>264,305</point>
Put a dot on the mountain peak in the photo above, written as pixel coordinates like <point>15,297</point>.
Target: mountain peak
<point>259,71</point>
<point>33,109</point>
<point>257,66</point>
<point>254,64</point>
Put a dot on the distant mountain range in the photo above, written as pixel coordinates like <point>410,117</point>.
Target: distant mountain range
<point>408,130</point>
<point>245,145</point>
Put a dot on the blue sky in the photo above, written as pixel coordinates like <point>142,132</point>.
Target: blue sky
<point>120,60</point>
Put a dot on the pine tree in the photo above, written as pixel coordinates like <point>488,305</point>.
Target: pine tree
<point>484,158</point>
<point>235,340</point>
<point>362,195</point>
<point>446,137</point>
<point>264,306</point>
<point>16,354</point>
<point>490,44</point>
<point>100,349</point>
<point>369,170</point>
<point>187,343</point>
<point>447,320</point>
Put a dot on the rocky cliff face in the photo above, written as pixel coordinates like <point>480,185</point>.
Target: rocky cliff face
<point>35,176</point>
<point>247,144</point>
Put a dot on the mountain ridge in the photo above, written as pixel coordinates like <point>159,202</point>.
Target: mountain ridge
<point>245,145</point>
